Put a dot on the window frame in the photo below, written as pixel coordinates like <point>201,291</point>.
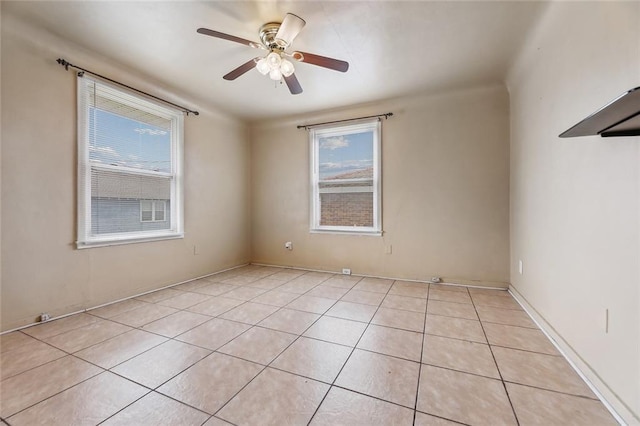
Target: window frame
<point>154,211</point>
<point>85,237</point>
<point>315,134</point>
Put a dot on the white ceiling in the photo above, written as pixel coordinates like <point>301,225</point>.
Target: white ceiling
<point>394,48</point>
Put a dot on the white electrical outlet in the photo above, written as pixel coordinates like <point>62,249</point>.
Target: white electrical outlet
<point>346,271</point>
<point>387,249</point>
<point>196,250</point>
<point>520,266</point>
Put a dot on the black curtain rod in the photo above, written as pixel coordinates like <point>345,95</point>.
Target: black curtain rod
<point>308,126</point>
<point>66,66</point>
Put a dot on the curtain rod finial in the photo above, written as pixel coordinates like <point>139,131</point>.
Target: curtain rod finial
<point>64,63</point>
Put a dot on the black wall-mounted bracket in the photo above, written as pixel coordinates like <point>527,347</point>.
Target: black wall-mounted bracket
<point>620,117</point>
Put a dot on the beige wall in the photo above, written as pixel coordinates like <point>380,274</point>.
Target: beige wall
<point>575,202</point>
<point>445,178</point>
<point>41,269</point>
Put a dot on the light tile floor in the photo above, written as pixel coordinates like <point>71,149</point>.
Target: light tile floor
<point>274,346</point>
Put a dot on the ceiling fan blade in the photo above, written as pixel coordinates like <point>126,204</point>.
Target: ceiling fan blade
<point>321,61</point>
<point>289,29</point>
<point>242,69</point>
<point>224,36</point>
<point>293,84</point>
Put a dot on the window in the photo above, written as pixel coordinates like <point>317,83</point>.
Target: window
<point>345,178</point>
<point>129,167</point>
<point>152,210</point>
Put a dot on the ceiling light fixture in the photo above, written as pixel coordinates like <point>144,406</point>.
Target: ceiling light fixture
<point>276,38</point>
<point>275,65</point>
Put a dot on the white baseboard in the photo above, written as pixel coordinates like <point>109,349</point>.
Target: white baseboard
<point>122,299</point>
<point>448,282</point>
<point>618,409</point>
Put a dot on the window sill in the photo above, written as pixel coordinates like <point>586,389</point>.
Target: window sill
<point>346,232</point>
<point>118,242</point>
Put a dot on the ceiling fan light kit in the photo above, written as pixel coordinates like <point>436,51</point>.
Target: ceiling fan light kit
<point>275,65</point>
<point>276,38</point>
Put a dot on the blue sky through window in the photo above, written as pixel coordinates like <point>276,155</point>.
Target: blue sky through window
<point>122,141</point>
<point>345,153</point>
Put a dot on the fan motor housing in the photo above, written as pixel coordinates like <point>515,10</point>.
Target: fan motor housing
<point>268,36</point>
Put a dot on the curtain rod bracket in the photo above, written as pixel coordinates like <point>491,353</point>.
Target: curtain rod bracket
<point>64,63</point>
<point>378,116</point>
<point>82,71</point>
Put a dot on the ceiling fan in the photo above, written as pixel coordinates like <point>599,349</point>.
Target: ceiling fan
<point>276,38</point>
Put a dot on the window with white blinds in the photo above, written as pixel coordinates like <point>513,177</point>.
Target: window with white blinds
<point>129,167</point>
<point>345,178</point>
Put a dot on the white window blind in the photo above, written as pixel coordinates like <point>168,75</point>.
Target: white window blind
<point>345,178</point>
<point>129,167</point>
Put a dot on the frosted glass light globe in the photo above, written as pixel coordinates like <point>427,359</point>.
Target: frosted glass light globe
<point>286,67</point>
<point>274,59</point>
<point>263,67</point>
<point>275,74</point>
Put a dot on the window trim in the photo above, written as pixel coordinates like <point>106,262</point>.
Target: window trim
<point>85,239</point>
<point>340,130</point>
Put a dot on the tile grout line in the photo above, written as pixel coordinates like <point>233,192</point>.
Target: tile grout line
<point>45,363</point>
<point>553,390</point>
<point>252,326</point>
<point>191,365</point>
<point>219,315</point>
<point>186,309</point>
<point>173,338</point>
<point>490,322</point>
<point>152,391</point>
<point>236,287</point>
<point>373,352</point>
<point>72,354</point>
<point>504,385</point>
<point>497,346</point>
<point>349,357</point>
<point>63,332</point>
<point>57,393</point>
<point>281,352</point>
<point>127,406</point>
<point>424,329</point>
<point>502,308</point>
<point>103,369</point>
<point>425,334</point>
<point>342,345</point>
